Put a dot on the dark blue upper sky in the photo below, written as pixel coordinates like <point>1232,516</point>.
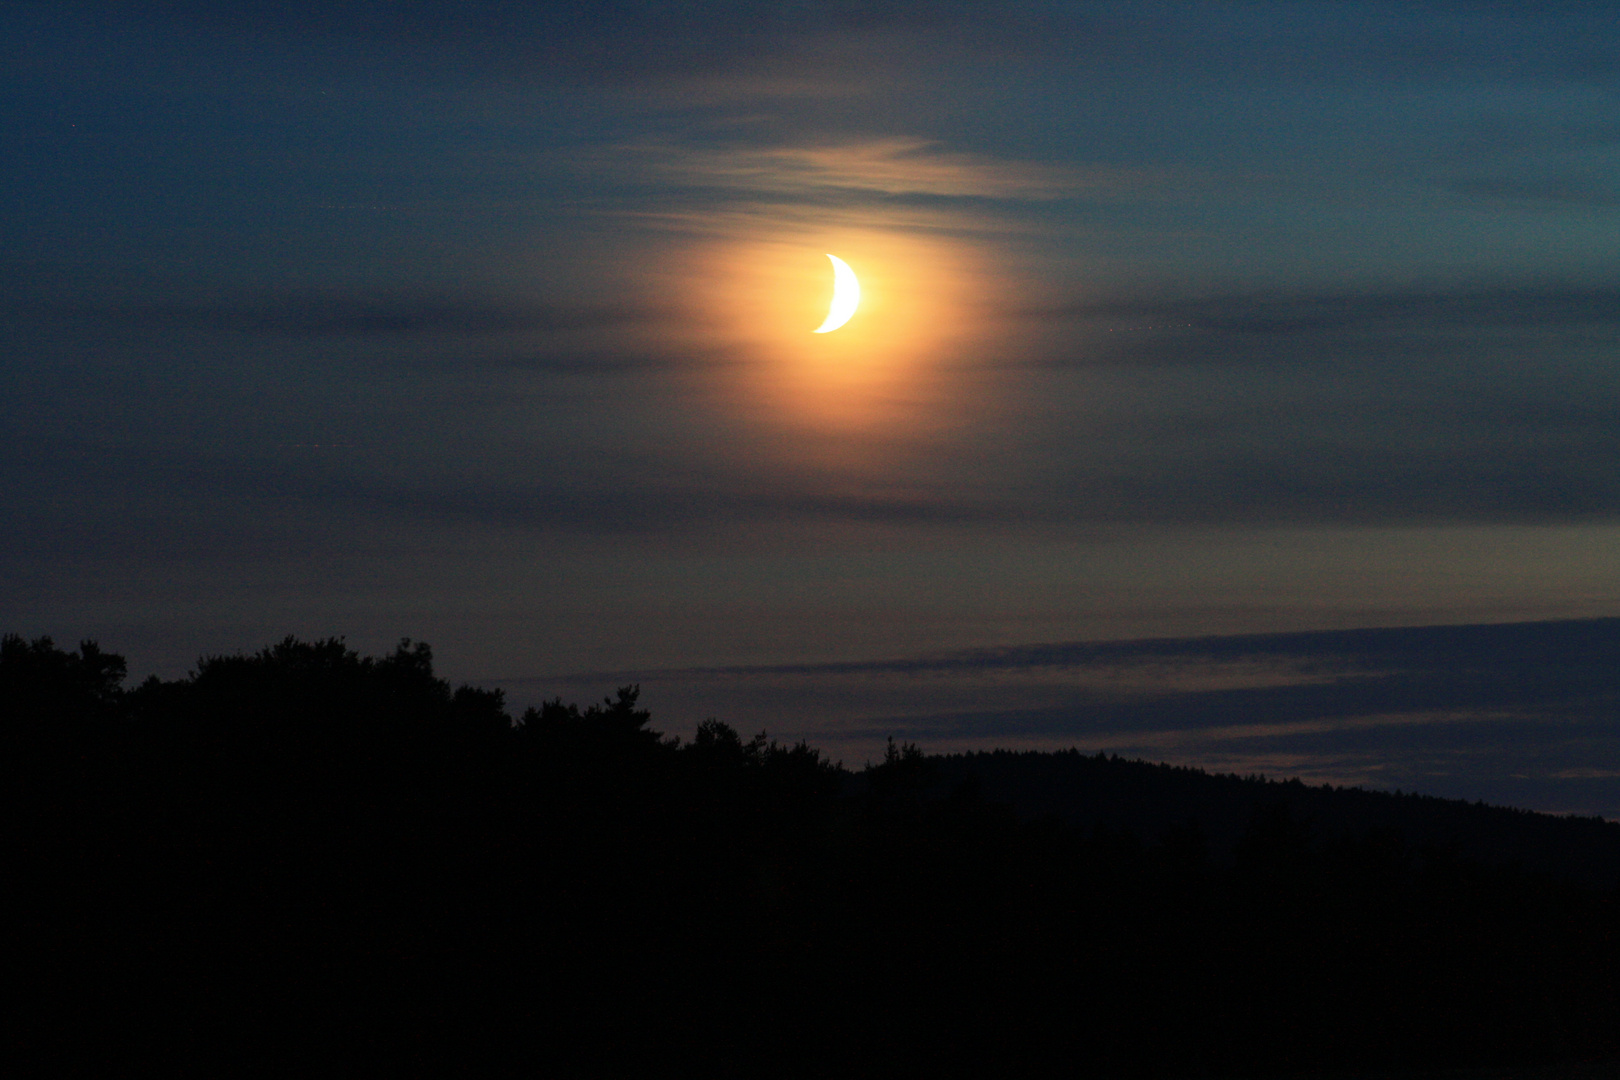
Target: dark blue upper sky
<point>487,323</point>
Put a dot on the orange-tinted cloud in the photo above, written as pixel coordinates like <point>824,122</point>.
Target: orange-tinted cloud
<point>894,165</point>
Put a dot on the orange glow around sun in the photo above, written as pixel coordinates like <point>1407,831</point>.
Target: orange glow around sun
<point>764,296</point>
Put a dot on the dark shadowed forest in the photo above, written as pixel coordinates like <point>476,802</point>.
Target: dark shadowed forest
<point>308,857</point>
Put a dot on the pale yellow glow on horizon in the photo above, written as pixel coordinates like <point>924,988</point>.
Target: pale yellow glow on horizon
<point>846,296</point>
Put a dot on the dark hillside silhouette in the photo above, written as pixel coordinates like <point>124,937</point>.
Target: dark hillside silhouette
<point>1154,801</point>
<point>307,856</point>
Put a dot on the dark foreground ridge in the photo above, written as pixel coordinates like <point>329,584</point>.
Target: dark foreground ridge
<point>307,856</point>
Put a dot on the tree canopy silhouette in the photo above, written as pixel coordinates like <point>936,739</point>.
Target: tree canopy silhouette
<point>302,849</point>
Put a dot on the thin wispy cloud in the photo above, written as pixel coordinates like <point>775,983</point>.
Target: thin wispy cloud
<point>1526,711</point>
<point>340,315</point>
<point>896,165</point>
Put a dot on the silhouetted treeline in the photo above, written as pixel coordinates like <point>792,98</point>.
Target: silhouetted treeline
<point>308,857</point>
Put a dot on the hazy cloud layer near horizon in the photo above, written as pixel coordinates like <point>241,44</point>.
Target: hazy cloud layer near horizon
<point>1524,714</point>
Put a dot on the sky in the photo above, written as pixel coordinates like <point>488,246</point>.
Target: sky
<point>489,324</point>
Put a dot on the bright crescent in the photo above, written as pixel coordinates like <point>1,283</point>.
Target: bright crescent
<point>846,296</point>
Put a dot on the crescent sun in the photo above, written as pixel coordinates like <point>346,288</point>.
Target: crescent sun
<point>846,296</point>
